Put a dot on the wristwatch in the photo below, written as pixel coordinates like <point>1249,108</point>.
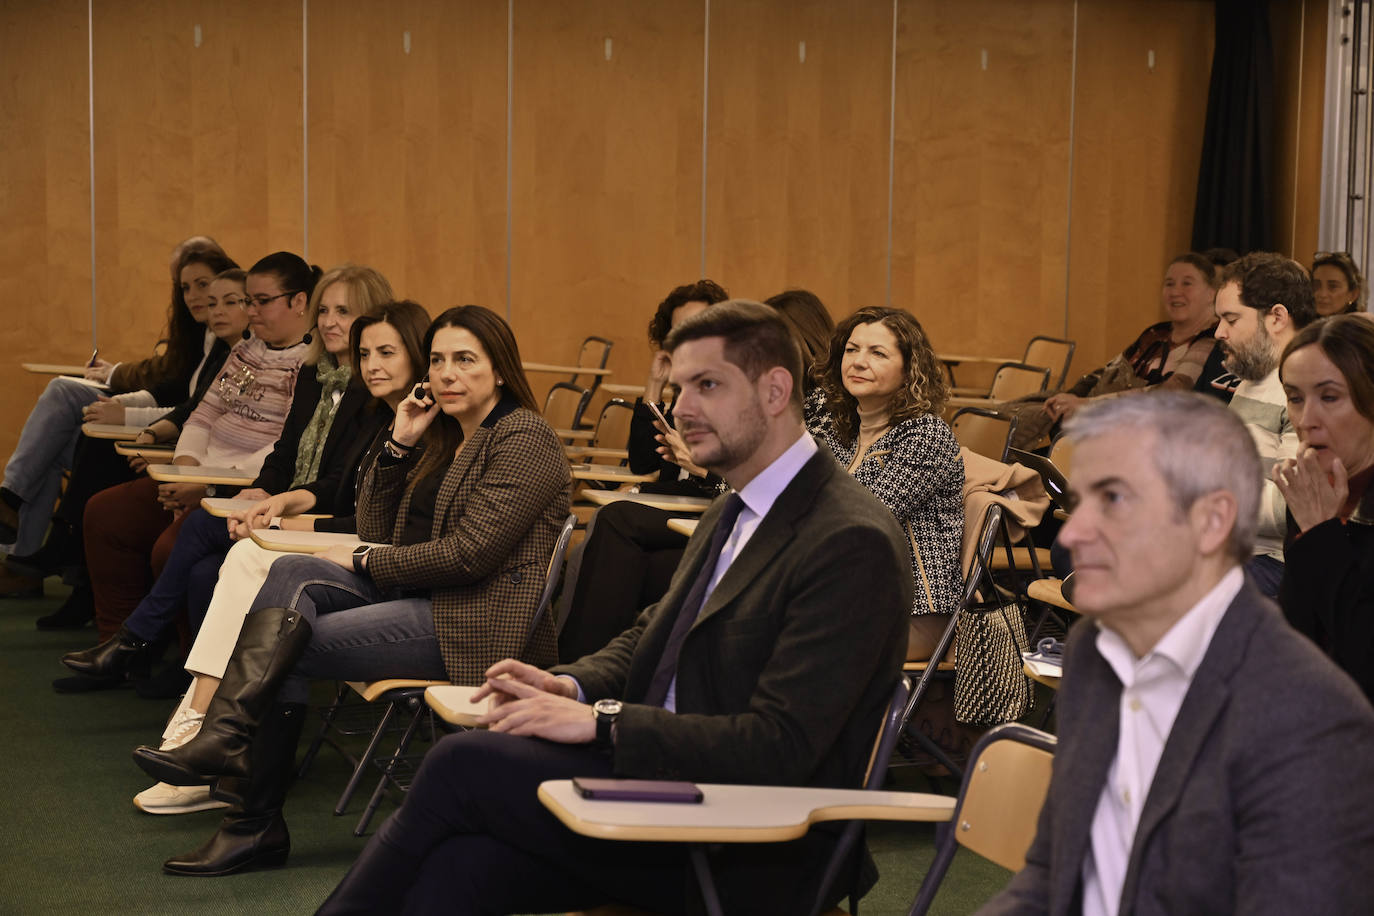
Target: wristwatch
<point>360,558</point>
<point>607,711</point>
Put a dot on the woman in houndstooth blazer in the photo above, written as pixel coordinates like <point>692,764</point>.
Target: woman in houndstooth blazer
<point>467,496</point>
<point>884,392</point>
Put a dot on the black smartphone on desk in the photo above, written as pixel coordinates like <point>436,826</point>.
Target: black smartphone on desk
<point>645,790</point>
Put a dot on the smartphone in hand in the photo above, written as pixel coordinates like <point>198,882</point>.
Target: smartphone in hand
<point>659,413</point>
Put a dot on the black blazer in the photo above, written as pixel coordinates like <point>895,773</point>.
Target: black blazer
<point>785,674</point>
<point>280,466</point>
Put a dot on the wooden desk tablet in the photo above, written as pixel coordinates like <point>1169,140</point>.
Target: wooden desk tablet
<point>586,435</point>
<point>610,473</point>
<point>454,705</point>
<point>591,451</point>
<point>188,473</point>
<point>304,541</point>
<point>1050,591</point>
<point>1048,680</point>
<point>735,814</point>
<point>115,431</point>
<point>622,391</point>
<point>565,370</point>
<point>153,454</point>
<point>956,359</point>
<point>656,501</point>
<point>54,369</point>
<point>683,525</point>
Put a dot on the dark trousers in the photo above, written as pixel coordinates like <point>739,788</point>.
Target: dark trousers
<point>473,838</point>
<point>627,562</point>
<point>196,555</point>
<point>128,540</point>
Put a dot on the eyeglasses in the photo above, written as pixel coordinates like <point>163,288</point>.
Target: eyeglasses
<point>263,301</point>
<point>1333,256</point>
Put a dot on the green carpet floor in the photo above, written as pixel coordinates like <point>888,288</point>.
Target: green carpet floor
<point>71,841</point>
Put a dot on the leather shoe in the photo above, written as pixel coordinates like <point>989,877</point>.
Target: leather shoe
<point>242,843</point>
<point>116,657</point>
<point>74,614</point>
<point>9,519</point>
<point>15,585</point>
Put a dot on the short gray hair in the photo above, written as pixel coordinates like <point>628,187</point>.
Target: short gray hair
<point>1200,447</point>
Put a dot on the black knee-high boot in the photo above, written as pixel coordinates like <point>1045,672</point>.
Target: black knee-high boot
<point>270,644</point>
<point>255,836</point>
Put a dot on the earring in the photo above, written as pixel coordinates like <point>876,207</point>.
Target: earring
<point>499,383</point>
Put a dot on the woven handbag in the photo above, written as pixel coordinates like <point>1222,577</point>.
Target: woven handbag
<point>990,684</point>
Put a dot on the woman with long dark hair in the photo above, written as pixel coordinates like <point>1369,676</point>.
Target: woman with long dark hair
<point>463,506</point>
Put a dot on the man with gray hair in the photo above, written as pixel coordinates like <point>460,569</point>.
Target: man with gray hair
<point>1210,759</point>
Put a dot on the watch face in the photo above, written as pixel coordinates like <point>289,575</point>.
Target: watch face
<point>607,707</point>
<point>360,550</point>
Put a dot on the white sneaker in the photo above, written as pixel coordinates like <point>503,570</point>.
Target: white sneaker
<point>165,799</point>
<point>168,799</point>
<point>184,726</point>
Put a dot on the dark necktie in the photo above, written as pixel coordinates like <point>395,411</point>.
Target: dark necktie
<point>691,605</point>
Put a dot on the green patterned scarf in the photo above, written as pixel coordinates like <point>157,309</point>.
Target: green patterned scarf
<point>333,380</point>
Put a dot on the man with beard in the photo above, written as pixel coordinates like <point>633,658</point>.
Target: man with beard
<point>1265,299</point>
<point>770,659</point>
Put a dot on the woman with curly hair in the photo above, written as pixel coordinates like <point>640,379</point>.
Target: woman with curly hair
<point>884,393</point>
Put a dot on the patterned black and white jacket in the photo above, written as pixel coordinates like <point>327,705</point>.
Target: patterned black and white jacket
<point>915,470</point>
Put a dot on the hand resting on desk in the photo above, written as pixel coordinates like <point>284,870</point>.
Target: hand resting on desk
<point>529,701</point>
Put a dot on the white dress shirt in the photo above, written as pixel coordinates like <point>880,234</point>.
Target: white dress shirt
<point>1152,690</point>
<point>758,496</point>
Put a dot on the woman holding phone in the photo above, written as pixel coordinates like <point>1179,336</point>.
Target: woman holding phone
<point>462,506</point>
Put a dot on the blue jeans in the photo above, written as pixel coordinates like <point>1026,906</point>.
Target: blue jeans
<point>200,547</point>
<point>46,445</point>
<point>359,632</point>
<point>1266,572</point>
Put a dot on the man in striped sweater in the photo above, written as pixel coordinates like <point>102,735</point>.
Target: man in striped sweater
<point>1265,298</point>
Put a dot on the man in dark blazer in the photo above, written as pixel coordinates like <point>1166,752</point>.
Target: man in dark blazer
<point>793,644</point>
<point>1210,760</point>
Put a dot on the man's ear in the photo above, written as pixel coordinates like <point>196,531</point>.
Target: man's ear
<point>1277,319</point>
<point>1213,517</point>
<point>775,390</point>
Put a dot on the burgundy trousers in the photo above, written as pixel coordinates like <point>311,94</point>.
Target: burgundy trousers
<point>128,539</point>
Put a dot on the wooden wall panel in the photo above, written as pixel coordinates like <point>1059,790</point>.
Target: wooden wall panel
<point>607,173</point>
<point>190,140</point>
<point>1299,30</point>
<point>408,150</point>
<point>982,170</point>
<point>45,272</point>
<point>798,149</point>
<point>1138,144</point>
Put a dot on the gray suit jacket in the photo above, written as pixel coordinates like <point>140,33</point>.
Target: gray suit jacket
<point>1263,801</point>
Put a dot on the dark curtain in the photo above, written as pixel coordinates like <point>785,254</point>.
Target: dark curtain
<point>1233,207</point>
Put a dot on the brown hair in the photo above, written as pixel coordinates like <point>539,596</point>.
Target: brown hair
<point>1348,341</point>
<point>703,290</point>
<point>410,321</point>
<point>924,389</point>
<point>1267,279</point>
<point>810,323</point>
<point>498,341</point>
<point>1343,262</point>
<point>1202,263</point>
<point>755,336</point>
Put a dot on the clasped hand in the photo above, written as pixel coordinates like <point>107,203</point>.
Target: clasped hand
<point>529,701</point>
<point>1313,496</point>
<point>103,410</point>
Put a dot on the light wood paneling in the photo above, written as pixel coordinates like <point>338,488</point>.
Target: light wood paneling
<point>982,170</point>
<point>1299,30</point>
<point>1138,143</point>
<point>45,272</point>
<point>408,150</point>
<point>190,140</point>
<point>797,165</point>
<point>607,173</point>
